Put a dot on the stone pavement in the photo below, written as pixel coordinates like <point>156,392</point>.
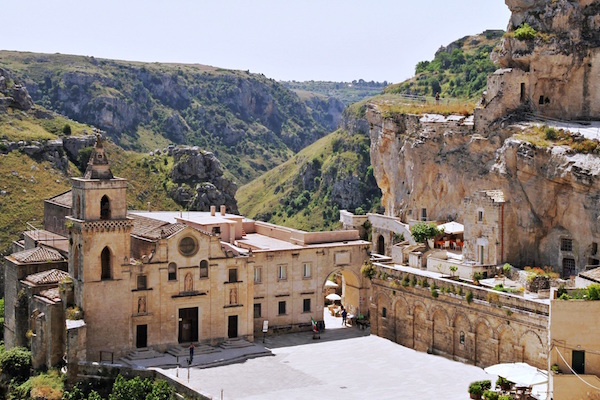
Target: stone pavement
<point>345,363</point>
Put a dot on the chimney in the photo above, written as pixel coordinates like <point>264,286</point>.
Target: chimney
<point>222,210</point>
<point>213,210</point>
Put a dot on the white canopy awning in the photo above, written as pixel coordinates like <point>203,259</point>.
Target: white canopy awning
<point>522,374</point>
<point>452,227</point>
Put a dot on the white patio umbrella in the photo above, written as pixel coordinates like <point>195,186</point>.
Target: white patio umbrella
<point>522,374</point>
<point>331,284</point>
<point>452,227</point>
<point>333,297</point>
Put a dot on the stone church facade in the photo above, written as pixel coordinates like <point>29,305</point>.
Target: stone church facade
<point>127,280</point>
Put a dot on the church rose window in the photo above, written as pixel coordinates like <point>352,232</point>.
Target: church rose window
<point>188,246</point>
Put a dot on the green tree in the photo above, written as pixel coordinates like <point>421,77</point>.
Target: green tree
<point>66,129</point>
<point>421,231</point>
<point>16,363</point>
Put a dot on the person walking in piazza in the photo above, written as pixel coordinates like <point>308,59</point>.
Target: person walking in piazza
<point>191,352</point>
<point>344,315</point>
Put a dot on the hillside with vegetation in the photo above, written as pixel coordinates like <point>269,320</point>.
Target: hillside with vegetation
<point>252,123</point>
<point>347,92</point>
<point>307,191</point>
<point>458,70</point>
<point>335,172</point>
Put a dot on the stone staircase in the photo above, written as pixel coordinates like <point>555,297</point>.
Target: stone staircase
<point>184,350</point>
<point>141,354</point>
<point>235,344</point>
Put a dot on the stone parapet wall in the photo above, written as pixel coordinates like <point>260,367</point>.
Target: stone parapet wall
<point>493,327</point>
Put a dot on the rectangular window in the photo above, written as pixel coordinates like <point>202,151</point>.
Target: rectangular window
<point>281,308</point>
<point>566,244</point>
<point>594,248</point>
<point>282,272</point>
<point>233,275</point>
<point>423,214</point>
<point>384,312</point>
<point>257,274</point>
<point>479,216</point>
<point>306,305</point>
<point>216,230</point>
<point>568,267</point>
<point>306,270</point>
<point>141,282</point>
<point>257,310</point>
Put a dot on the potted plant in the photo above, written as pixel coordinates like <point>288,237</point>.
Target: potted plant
<point>490,395</point>
<point>504,383</point>
<point>475,390</point>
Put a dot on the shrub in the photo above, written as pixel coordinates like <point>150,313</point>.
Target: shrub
<point>434,292</point>
<point>469,297</point>
<point>405,281</point>
<point>66,129</point>
<point>505,397</point>
<point>413,281</point>
<point>525,32</point>
<point>490,395</point>
<point>16,363</point>
<point>550,133</point>
<point>506,268</point>
<point>368,270</point>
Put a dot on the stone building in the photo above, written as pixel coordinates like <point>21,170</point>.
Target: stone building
<point>164,279</point>
<point>491,328</point>
<point>484,227</point>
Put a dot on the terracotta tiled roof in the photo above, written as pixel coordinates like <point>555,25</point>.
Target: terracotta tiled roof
<point>592,274</point>
<point>47,277</point>
<point>65,199</point>
<point>51,294</point>
<point>153,229</point>
<point>37,255</point>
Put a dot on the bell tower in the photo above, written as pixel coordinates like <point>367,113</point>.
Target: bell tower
<point>100,244</point>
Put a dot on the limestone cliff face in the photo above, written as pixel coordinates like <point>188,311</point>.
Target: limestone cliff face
<point>551,192</point>
<point>561,62</point>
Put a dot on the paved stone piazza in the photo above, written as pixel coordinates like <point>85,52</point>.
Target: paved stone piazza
<point>346,363</point>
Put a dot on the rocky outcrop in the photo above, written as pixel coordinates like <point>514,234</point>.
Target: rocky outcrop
<point>557,65</point>
<point>200,179</point>
<point>13,94</point>
<point>422,162</point>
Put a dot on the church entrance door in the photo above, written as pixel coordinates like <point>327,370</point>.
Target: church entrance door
<point>188,325</point>
<point>141,336</point>
<point>232,327</point>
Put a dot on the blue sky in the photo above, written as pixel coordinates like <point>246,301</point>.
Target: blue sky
<point>337,40</point>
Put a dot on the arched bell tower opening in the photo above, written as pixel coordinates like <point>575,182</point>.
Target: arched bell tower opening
<point>105,207</point>
<point>105,262</point>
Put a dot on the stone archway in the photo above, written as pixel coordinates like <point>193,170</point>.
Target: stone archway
<point>533,350</point>
<point>442,334</point>
<point>462,339</point>
<point>421,326</point>
<point>404,323</point>
<point>506,345</point>
<point>485,353</point>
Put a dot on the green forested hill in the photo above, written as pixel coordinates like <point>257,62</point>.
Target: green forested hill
<point>457,70</point>
<point>251,122</point>
<point>347,92</point>
<point>307,191</point>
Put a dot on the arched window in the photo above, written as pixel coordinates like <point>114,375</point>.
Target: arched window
<point>105,261</point>
<point>172,271</point>
<point>203,269</point>
<point>104,208</point>
<point>75,262</point>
